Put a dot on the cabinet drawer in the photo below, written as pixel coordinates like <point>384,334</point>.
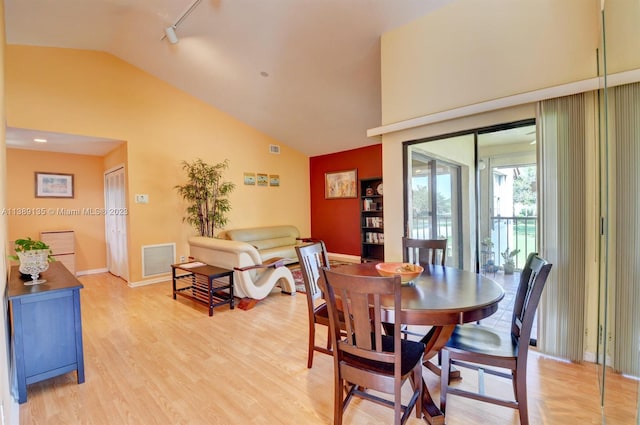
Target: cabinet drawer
<point>68,260</point>
<point>60,242</point>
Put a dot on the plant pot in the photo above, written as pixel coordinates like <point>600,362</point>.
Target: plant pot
<point>509,268</point>
<point>33,263</point>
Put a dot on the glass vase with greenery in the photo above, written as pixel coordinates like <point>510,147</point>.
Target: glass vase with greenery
<point>34,257</point>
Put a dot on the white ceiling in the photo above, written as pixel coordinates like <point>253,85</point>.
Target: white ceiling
<point>322,57</point>
<point>21,138</point>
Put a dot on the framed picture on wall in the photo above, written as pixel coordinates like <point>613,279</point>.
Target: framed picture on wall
<point>54,185</point>
<point>250,179</point>
<point>341,184</point>
<point>263,179</point>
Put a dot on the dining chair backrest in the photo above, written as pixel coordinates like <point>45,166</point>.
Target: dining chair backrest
<point>360,300</point>
<point>424,251</point>
<point>532,281</point>
<point>364,357</point>
<point>312,257</point>
<point>488,350</point>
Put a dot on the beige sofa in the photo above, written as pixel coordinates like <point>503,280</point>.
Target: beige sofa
<point>270,241</point>
<point>252,253</point>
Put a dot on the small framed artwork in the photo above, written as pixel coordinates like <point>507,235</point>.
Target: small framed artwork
<point>340,184</point>
<point>250,179</point>
<point>263,180</point>
<point>274,180</point>
<point>54,185</point>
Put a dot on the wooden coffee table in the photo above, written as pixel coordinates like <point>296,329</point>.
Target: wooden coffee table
<point>203,283</point>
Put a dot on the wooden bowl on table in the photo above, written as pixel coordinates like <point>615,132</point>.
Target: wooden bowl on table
<point>407,271</point>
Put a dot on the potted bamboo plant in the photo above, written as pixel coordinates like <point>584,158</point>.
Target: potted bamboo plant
<point>207,196</point>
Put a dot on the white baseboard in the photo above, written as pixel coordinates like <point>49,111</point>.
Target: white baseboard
<point>344,257</point>
<point>588,356</point>
<point>163,278</point>
<point>166,278</point>
<point>92,271</point>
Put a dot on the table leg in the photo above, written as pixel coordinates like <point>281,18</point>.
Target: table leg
<point>434,341</point>
<point>173,274</point>
<point>432,413</point>
<point>210,280</point>
<point>433,335</point>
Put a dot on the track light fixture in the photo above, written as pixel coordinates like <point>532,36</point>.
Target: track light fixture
<point>170,32</point>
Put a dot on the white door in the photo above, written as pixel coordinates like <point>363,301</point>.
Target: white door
<point>116,222</point>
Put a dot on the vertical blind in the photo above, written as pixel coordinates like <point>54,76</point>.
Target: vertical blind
<point>562,153</point>
<point>624,137</point>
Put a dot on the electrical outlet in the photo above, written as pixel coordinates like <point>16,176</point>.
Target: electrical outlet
<point>182,259</point>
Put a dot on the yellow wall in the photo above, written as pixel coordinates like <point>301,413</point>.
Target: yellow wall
<point>473,51</point>
<point>116,157</point>
<point>28,216</point>
<point>94,93</point>
<point>622,35</point>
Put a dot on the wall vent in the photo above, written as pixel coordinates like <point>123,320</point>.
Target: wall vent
<point>274,149</point>
<point>157,259</point>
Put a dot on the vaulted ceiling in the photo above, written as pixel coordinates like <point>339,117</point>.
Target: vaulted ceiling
<point>306,72</point>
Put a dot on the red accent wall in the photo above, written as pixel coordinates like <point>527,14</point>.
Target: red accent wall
<point>337,221</point>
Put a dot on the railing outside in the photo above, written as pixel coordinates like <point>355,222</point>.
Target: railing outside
<point>507,233</point>
<point>421,227</point>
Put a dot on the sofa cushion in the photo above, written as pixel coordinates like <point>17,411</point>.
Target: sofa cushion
<point>272,243</point>
<point>288,252</point>
<point>250,235</point>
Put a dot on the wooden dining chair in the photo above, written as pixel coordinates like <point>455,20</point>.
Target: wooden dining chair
<point>424,251</point>
<point>366,359</point>
<point>312,258</point>
<point>475,346</point>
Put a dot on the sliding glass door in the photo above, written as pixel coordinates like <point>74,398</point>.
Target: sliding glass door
<point>435,212</point>
<point>477,190</point>
<point>435,193</point>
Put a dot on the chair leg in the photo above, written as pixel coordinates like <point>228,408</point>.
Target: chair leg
<point>312,344</point>
<point>521,395</point>
<point>417,385</point>
<point>445,369</point>
<point>338,401</point>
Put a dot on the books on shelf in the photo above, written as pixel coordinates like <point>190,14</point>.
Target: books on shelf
<point>369,205</point>
<point>374,237</point>
<point>375,222</point>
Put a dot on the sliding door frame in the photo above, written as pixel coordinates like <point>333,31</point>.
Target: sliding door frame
<point>472,132</point>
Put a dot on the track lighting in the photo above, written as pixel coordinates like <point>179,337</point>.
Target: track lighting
<point>170,33</point>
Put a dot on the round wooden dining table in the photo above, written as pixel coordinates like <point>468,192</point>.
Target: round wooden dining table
<point>441,297</point>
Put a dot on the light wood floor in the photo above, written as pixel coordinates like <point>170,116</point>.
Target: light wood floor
<point>152,360</point>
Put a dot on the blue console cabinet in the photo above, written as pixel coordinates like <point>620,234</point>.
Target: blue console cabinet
<point>46,328</point>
